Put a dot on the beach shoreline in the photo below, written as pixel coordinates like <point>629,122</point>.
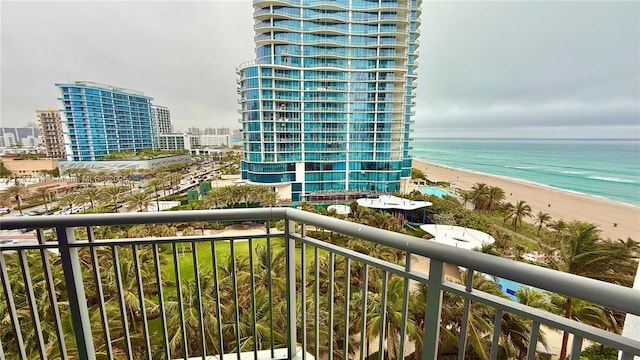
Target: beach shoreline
<point>616,220</point>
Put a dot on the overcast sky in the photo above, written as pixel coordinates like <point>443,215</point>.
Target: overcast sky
<point>567,69</point>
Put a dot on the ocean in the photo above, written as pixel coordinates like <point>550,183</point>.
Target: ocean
<point>603,168</point>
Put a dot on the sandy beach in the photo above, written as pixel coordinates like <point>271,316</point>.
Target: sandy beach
<point>557,203</point>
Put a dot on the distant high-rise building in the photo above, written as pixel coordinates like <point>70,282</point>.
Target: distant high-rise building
<point>216,131</point>
<point>99,119</point>
<point>215,140</point>
<point>51,133</point>
<point>161,117</point>
<point>195,131</point>
<point>8,139</point>
<point>10,136</point>
<point>223,131</point>
<point>30,141</point>
<point>177,141</point>
<point>328,101</point>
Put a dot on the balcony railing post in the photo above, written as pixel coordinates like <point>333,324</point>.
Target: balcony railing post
<point>434,307</point>
<point>290,246</point>
<point>75,290</point>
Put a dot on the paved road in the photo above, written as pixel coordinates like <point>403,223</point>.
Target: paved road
<point>185,185</point>
<point>29,237</point>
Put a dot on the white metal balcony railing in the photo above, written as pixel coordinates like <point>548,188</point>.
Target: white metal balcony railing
<point>76,326</point>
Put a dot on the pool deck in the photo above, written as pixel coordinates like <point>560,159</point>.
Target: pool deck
<point>429,190</point>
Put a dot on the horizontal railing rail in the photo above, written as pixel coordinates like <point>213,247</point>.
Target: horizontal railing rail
<point>126,260</point>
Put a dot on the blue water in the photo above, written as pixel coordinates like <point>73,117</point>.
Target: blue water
<point>603,168</point>
<point>435,191</point>
<point>509,287</point>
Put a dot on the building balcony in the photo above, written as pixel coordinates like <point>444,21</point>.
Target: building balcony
<point>116,286</point>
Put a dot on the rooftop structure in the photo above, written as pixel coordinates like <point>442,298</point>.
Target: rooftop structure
<point>340,209</point>
<point>458,236</point>
<point>327,105</point>
<point>113,166</point>
<point>391,202</point>
<point>99,119</point>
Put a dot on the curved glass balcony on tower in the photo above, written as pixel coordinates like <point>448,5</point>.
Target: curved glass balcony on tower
<point>327,104</point>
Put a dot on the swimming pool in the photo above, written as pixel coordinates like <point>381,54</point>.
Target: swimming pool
<point>509,287</point>
<point>435,191</point>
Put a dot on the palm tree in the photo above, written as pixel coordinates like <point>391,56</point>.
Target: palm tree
<point>102,176</point>
<point>269,199</point>
<point>200,225</point>
<point>174,179</point>
<point>559,225</point>
<point>466,197</point>
<point>536,298</point>
<point>393,320</point>
<point>517,213</point>
<point>258,193</point>
<point>126,174</point>
<point>214,198</point>
<point>81,174</point>
<point>91,194</point>
<point>507,211</point>
<point>44,194</point>
<point>165,181</point>
<point>632,246</point>
<point>245,193</point>
<point>494,196</point>
<point>514,332</point>
<point>113,193</point>
<point>232,195</point>
<point>17,192</point>
<point>156,184</point>
<point>68,200</point>
<point>479,194</point>
<point>542,218</point>
<point>138,201</point>
<point>582,252</point>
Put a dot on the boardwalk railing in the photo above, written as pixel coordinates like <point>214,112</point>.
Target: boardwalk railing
<point>78,296</point>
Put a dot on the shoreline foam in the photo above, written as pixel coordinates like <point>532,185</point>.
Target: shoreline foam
<point>564,204</point>
<point>524,181</point>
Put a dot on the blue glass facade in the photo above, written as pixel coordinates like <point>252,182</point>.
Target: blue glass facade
<point>100,119</point>
<point>328,102</point>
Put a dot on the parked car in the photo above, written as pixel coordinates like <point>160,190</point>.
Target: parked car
<point>4,210</point>
<point>8,241</point>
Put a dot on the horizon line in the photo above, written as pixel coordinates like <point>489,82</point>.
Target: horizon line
<point>520,138</point>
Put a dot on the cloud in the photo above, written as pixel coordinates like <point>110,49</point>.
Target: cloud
<point>485,66</point>
<point>183,54</point>
<point>516,115</point>
<point>529,64</point>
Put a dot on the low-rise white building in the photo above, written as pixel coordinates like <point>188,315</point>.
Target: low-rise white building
<point>177,141</point>
<point>215,140</point>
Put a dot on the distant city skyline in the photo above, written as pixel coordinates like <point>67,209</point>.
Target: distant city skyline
<point>566,69</point>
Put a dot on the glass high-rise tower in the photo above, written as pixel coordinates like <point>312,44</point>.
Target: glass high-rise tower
<point>99,119</point>
<point>327,104</point>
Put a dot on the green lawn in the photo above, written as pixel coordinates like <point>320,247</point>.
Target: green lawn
<point>223,252</point>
